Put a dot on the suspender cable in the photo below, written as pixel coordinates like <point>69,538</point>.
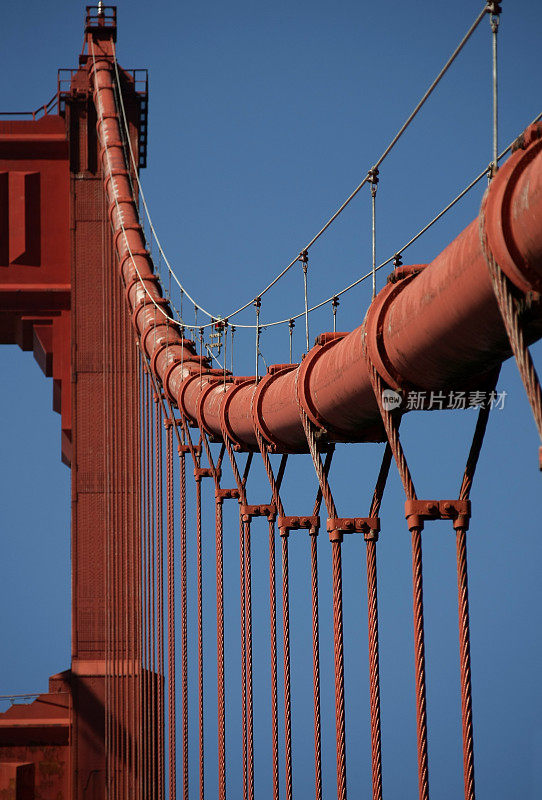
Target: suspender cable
<point>159,597</point>
<point>273,659</point>
<point>286,659</point>
<point>316,640</point>
<point>392,434</point>
<point>463,608</point>
<point>241,484</point>
<point>172,722</point>
<point>336,540</point>
<point>372,619</point>
<point>200,639</point>
<point>149,537</point>
<point>184,619</point>
<point>248,637</point>
<point>155,754</point>
<point>243,655</point>
<point>221,713</point>
<point>220,650</point>
<point>284,535</point>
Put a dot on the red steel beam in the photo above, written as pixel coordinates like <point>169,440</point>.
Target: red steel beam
<point>432,327</point>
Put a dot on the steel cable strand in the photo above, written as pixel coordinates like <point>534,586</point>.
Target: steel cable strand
<point>153,607</point>
<point>340,721</point>
<point>200,640</point>
<point>339,668</point>
<point>146,590</point>
<point>465,664</point>
<point>273,659</point>
<point>374,673</point>
<point>243,655</point>
<point>220,651</point>
<point>117,445</point>
<point>106,299</point>
<point>154,701</point>
<point>126,701</point>
<point>463,610</point>
<point>392,433</point>
<point>139,575</point>
<point>285,613</point>
<point>316,640</point>
<point>419,655</point>
<point>172,727</point>
<point>286,646</point>
<point>248,650</point>
<point>160,598</point>
<point>510,317</point>
<point>219,562</point>
<point>373,638</point>
<point>221,714</point>
<point>184,621</point>
<point>241,483</point>
<point>316,669</point>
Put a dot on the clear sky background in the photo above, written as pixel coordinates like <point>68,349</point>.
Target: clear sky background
<point>263,118</point>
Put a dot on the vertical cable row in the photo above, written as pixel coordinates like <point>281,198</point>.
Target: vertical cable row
<point>243,655</point>
<point>220,650</point>
<point>339,667</point>
<point>200,639</point>
<point>273,659</point>
<point>172,722</point>
<point>287,690</point>
<point>248,650</point>
<point>184,620</point>
<point>316,667</point>
<point>160,761</point>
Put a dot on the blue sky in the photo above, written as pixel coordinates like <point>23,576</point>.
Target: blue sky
<point>263,118</point>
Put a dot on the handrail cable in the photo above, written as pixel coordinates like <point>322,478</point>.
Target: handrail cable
<point>335,294</point>
<point>389,148</point>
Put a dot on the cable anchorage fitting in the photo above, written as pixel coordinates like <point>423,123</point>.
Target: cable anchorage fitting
<point>248,512</point>
<point>304,258</point>
<point>494,8</point>
<point>287,524</point>
<point>418,511</point>
<point>338,526</point>
<point>206,472</point>
<point>372,178</point>
<point>226,494</point>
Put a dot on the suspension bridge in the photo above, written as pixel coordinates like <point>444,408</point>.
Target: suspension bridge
<point>190,638</point>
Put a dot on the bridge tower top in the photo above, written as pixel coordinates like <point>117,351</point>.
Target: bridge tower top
<point>101,25</point>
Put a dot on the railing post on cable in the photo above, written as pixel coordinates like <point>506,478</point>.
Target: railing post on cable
<point>494,11</point>
<point>304,258</point>
<point>291,326</point>
<point>372,178</point>
<point>257,305</point>
<point>334,306</point>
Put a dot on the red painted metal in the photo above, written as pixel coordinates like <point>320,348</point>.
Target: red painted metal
<point>431,327</point>
<point>56,257</point>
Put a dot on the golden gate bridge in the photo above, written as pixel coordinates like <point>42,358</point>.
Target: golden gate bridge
<point>146,407</point>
